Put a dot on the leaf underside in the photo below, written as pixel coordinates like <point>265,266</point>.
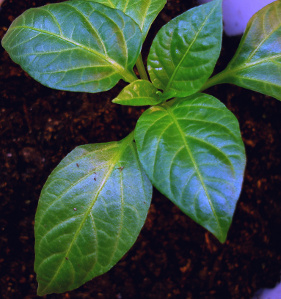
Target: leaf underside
<point>184,52</point>
<point>90,213</point>
<point>257,62</point>
<point>75,45</point>
<point>192,151</point>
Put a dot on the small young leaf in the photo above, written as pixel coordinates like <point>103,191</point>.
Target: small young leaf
<point>184,52</point>
<point>90,213</point>
<point>192,151</point>
<point>257,62</point>
<point>75,45</point>
<point>138,93</point>
<point>143,12</point>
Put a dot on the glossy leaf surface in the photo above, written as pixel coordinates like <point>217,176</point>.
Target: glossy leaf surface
<point>75,45</point>
<point>90,213</point>
<point>184,52</point>
<point>193,153</point>
<point>138,93</point>
<point>257,62</point>
<point>143,12</point>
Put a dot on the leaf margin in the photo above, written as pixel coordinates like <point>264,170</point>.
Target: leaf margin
<point>71,160</point>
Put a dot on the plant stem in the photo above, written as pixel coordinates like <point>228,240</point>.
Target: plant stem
<point>217,79</point>
<point>141,68</point>
<point>130,77</point>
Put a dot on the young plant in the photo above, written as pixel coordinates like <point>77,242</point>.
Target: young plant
<point>187,144</point>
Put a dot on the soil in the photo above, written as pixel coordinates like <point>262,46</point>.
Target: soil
<point>173,256</point>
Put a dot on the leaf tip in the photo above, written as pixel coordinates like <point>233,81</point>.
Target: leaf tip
<point>222,238</point>
<point>115,101</point>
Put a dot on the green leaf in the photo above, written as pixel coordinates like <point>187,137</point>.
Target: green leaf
<point>75,45</point>
<point>257,62</point>
<point>184,52</point>
<point>138,93</point>
<point>192,151</point>
<point>143,12</point>
<point>90,213</point>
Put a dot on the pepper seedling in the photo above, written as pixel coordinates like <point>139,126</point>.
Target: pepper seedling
<point>187,143</point>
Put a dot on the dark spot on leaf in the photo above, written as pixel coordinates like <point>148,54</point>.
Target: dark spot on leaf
<point>66,258</point>
<point>77,164</point>
<point>95,179</point>
<point>120,168</point>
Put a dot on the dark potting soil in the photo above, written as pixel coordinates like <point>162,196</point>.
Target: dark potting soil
<point>173,256</point>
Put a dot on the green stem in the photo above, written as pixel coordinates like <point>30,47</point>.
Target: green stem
<point>130,77</point>
<point>217,79</point>
<point>141,68</point>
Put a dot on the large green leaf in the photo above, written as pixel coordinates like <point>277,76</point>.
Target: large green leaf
<point>185,51</point>
<point>257,62</point>
<point>193,153</point>
<point>90,213</point>
<point>75,45</point>
<point>143,12</point>
<point>138,93</point>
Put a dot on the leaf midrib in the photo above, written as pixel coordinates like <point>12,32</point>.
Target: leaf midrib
<point>88,23</point>
<point>47,185</point>
<point>121,222</point>
<point>88,211</point>
<point>188,49</point>
<point>260,43</point>
<point>111,62</point>
<point>248,64</point>
<point>226,75</point>
<point>170,113</point>
<point>235,71</point>
<point>145,15</point>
